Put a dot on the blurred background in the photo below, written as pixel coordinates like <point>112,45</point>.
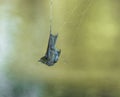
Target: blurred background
<point>89,36</point>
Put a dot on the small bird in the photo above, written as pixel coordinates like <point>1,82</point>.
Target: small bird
<point>52,54</point>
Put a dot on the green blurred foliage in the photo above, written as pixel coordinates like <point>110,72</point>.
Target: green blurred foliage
<point>88,37</point>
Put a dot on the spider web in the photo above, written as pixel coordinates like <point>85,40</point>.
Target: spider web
<point>74,9</point>
<point>85,6</point>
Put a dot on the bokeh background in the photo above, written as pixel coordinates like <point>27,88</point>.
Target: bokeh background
<point>89,36</point>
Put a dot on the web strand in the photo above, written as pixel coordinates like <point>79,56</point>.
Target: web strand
<point>82,13</point>
<point>51,17</point>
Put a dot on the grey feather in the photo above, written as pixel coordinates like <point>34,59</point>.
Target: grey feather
<point>52,54</point>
